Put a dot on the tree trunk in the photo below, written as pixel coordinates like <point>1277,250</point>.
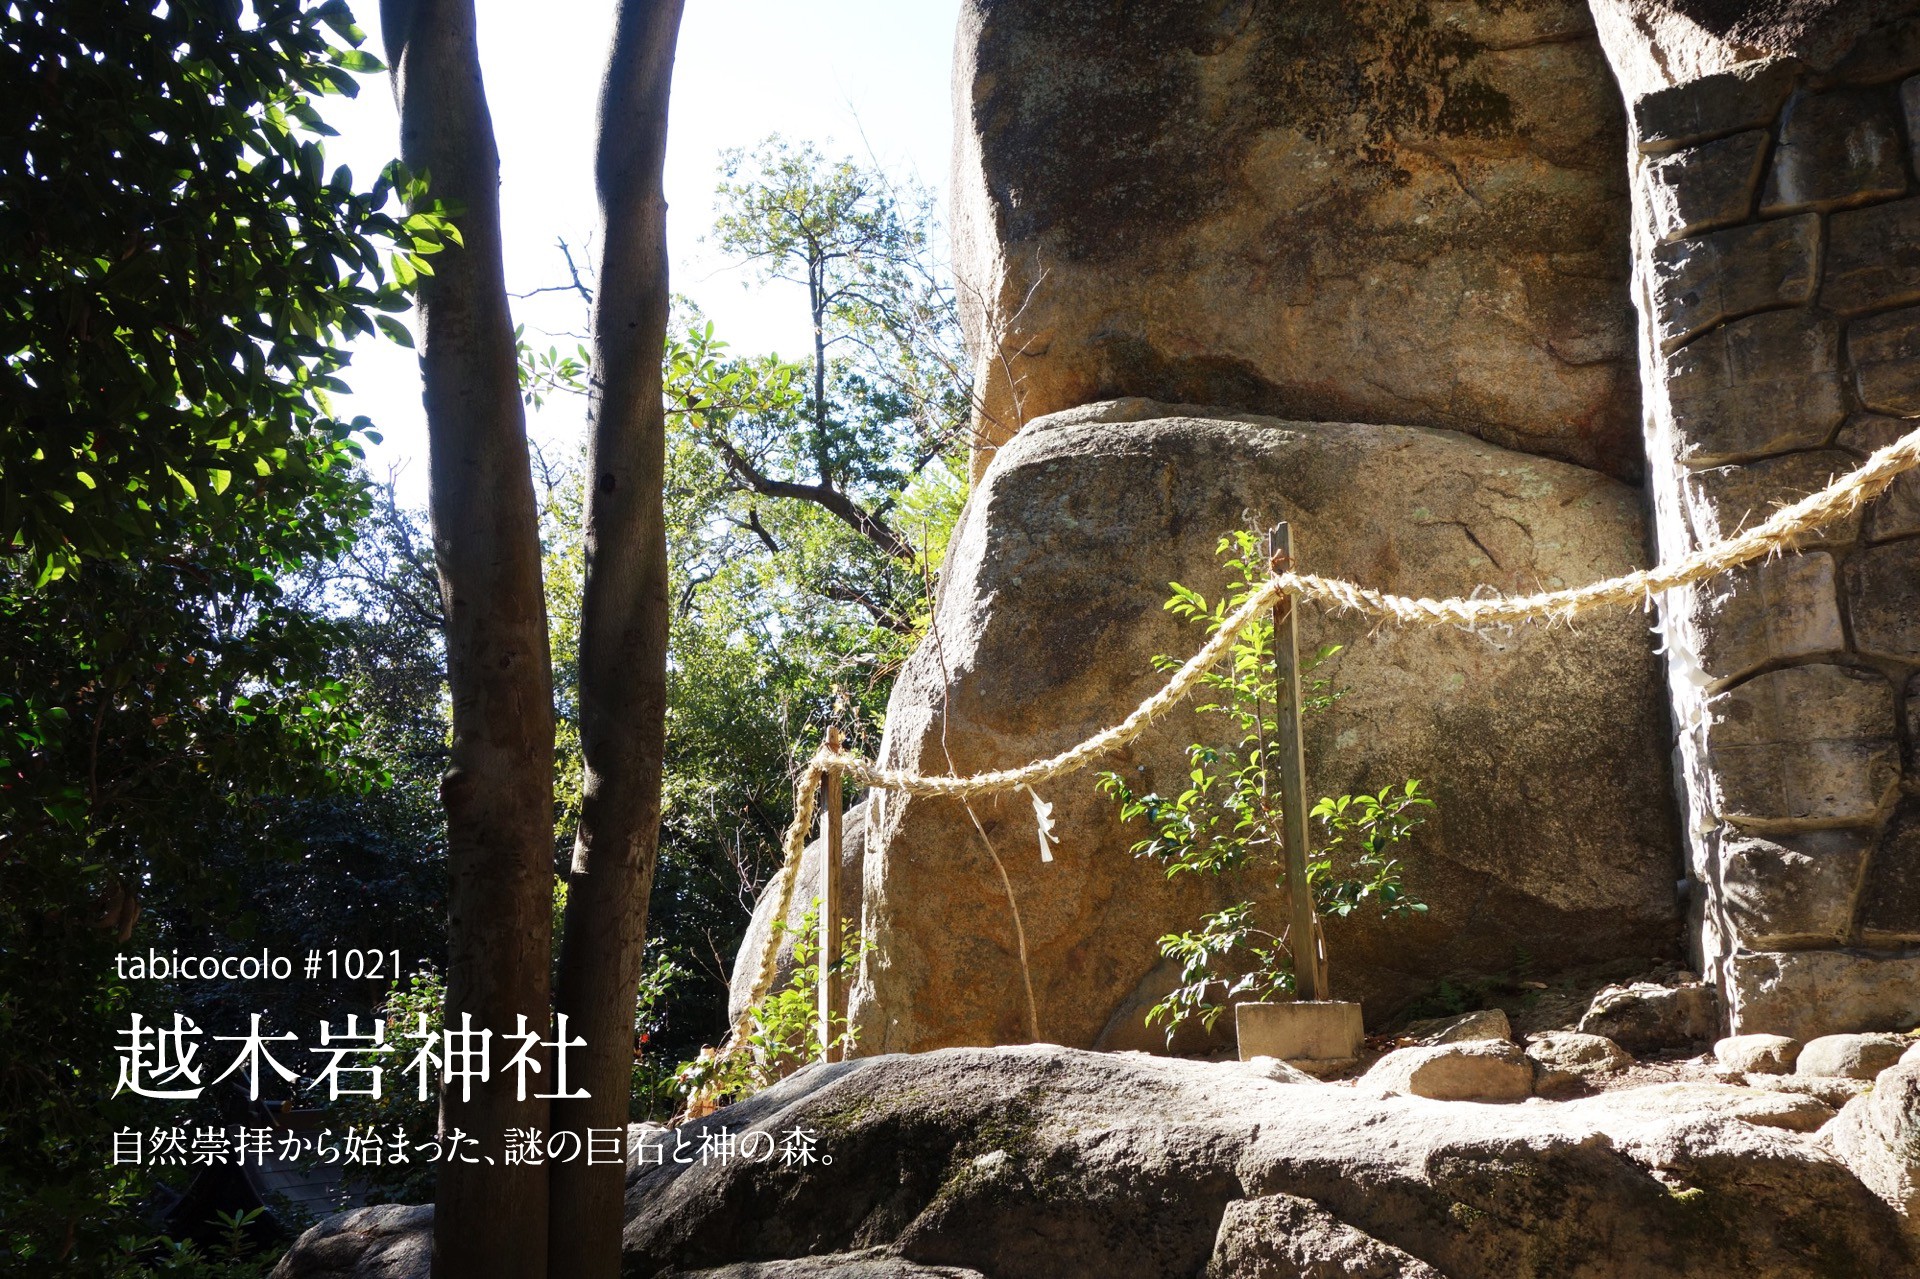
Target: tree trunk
<point>623,635</point>
<point>491,1218</point>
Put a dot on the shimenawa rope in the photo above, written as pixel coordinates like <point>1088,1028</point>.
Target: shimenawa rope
<point>1778,532</point>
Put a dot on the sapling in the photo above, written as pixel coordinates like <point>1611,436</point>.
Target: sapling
<point>1229,817</point>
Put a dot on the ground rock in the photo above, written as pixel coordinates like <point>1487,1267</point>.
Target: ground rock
<point>1280,1072</point>
<point>1212,202</point>
<point>1479,1070</point>
<point>1286,1236</point>
<point>806,889</point>
<point>868,1263</point>
<point>389,1241</point>
<point>1757,1054</point>
<point>1851,1056</point>
<point>1828,1090</point>
<point>1050,611</point>
<point>1484,1023</point>
<point>1630,1109</point>
<point>1052,1163</point>
<point>1878,1137</point>
<point>1644,1017</point>
<point>1564,1060</point>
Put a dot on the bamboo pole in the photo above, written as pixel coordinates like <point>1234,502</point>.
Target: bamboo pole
<point>1290,764</point>
<point>830,944</point>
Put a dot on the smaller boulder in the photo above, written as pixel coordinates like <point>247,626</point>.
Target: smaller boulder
<point>1486,1023</point>
<point>387,1241</point>
<point>1757,1054</point>
<point>1850,1056</point>
<point>1564,1061</point>
<point>1644,1017</point>
<point>1481,1070</point>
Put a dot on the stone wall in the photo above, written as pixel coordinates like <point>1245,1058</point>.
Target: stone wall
<point>1777,249</point>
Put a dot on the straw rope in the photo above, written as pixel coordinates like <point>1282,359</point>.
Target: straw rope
<point>1777,533</point>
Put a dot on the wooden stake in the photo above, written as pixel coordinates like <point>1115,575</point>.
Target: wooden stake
<point>1290,763</point>
<point>831,983</point>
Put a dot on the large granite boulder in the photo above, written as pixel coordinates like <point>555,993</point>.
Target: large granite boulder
<point>1553,843</point>
<point>1402,211</point>
<point>1057,1164</point>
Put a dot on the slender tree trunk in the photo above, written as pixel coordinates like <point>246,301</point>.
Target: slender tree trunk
<point>623,635</point>
<point>491,1219</point>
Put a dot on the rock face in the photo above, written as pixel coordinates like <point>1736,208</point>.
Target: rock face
<point>1056,1164</point>
<point>1398,211</point>
<point>1049,615</point>
<point>806,891</point>
<point>1780,343</point>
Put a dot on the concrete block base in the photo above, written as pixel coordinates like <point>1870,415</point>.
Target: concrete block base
<point>1297,1032</point>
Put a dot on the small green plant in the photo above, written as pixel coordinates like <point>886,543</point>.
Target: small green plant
<point>784,1030</point>
<point>234,1256</point>
<point>653,1095</point>
<point>1229,817</point>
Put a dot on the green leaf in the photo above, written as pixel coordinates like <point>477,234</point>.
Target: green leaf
<point>394,330</point>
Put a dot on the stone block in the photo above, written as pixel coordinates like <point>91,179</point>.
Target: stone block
<point>1887,54</point>
<point>1885,352</point>
<point>1804,747</point>
<point>1769,612</point>
<point>1873,257</point>
<point>1766,384</point>
<point>1883,600</point>
<point>1910,107</point>
<point>1757,1054</point>
<point>1896,512</point>
<point>1836,150</point>
<point>1705,187</point>
<point>1324,1030</point>
<point>1791,890</point>
<point>1890,902</point>
<point>1709,279</point>
<point>1913,726</point>
<point>1808,993</point>
<point>1746,97</point>
<point>1854,1056</point>
<point>1727,500</point>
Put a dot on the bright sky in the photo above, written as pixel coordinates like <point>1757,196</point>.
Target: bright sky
<point>859,77</point>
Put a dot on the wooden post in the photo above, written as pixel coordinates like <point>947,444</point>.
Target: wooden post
<point>1290,763</point>
<point>831,982</point>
